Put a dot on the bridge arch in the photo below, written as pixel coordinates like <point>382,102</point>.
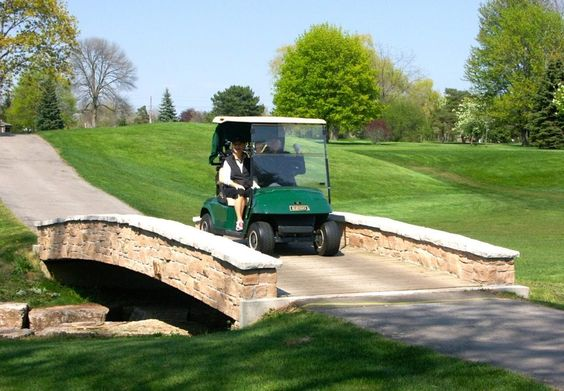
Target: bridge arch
<point>215,270</point>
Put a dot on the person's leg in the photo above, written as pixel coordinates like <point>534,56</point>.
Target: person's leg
<point>238,208</point>
<point>240,204</point>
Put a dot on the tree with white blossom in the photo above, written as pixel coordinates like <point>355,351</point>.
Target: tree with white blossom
<point>559,99</point>
<point>471,122</point>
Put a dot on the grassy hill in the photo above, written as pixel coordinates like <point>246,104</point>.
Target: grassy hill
<point>506,195</point>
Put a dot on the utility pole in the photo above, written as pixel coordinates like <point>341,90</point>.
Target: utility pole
<point>150,109</point>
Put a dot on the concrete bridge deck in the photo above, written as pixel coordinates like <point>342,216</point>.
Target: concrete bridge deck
<point>353,271</point>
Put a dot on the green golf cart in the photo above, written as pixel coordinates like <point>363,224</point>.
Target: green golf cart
<point>289,164</point>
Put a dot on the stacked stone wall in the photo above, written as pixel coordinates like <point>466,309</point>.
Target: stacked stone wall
<point>465,265</point>
<point>198,273</point>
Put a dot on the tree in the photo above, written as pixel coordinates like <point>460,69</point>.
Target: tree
<point>48,111</point>
<point>406,120</point>
<point>547,125</point>
<point>201,116</point>
<point>559,99</point>
<point>515,41</point>
<point>5,105</point>
<point>122,110</point>
<point>187,115</point>
<point>101,70</point>
<point>390,79</point>
<point>24,110</point>
<point>236,100</point>
<point>471,123</point>
<point>378,130</point>
<point>394,73</point>
<point>36,32</point>
<point>328,74</point>
<point>142,116</point>
<point>445,118</point>
<point>421,92</point>
<point>167,112</point>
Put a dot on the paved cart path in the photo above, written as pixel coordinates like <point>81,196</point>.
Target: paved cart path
<point>36,184</point>
<point>476,326</point>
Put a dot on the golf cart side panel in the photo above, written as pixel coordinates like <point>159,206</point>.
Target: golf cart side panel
<point>223,216</point>
<point>289,200</point>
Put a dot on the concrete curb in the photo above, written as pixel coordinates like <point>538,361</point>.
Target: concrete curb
<point>253,310</point>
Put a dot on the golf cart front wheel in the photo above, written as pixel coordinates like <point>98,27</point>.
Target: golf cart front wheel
<point>327,239</point>
<point>206,223</point>
<point>261,237</point>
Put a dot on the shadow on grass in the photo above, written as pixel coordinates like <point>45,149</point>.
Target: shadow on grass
<point>286,351</point>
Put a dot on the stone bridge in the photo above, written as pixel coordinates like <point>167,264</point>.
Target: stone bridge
<point>241,282</point>
<point>212,269</point>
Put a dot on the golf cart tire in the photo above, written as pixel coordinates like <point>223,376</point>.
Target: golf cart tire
<point>261,237</point>
<point>206,223</point>
<point>327,239</point>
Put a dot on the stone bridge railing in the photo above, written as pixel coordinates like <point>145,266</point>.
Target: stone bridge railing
<point>241,282</point>
<point>468,259</point>
<point>213,269</point>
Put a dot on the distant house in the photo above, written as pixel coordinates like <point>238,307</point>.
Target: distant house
<point>4,127</point>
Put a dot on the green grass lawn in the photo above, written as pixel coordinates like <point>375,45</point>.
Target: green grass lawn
<point>295,351</point>
<point>505,195</point>
<point>490,193</point>
<point>20,278</point>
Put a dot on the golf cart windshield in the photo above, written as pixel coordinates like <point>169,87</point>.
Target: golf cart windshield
<point>289,155</point>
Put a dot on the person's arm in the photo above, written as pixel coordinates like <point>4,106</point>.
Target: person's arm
<point>225,174</point>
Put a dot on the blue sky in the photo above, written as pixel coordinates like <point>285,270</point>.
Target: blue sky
<point>196,48</point>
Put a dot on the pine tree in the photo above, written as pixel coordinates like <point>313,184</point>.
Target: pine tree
<point>547,126</point>
<point>48,111</point>
<point>236,100</point>
<point>167,112</point>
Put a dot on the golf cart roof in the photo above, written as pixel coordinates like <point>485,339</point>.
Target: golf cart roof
<point>231,128</point>
<point>268,120</point>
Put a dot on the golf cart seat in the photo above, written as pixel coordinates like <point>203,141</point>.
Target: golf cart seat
<point>229,201</point>
<point>220,196</point>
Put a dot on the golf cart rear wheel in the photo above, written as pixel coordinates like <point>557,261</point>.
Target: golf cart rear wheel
<point>327,239</point>
<point>206,223</point>
<point>261,237</point>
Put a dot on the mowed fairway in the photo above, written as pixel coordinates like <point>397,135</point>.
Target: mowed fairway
<point>506,195</point>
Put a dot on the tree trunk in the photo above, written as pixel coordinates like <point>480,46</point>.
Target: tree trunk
<point>95,107</point>
<point>524,137</point>
<point>94,118</point>
<point>333,133</point>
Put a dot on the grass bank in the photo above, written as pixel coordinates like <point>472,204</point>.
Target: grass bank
<point>20,278</point>
<point>505,195</point>
<point>293,351</point>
